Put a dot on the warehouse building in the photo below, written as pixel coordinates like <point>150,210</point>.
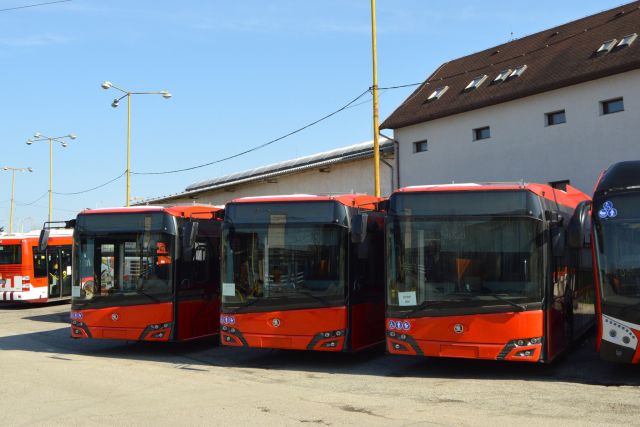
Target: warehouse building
<point>560,104</point>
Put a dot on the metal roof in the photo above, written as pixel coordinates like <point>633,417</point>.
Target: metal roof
<point>326,158</point>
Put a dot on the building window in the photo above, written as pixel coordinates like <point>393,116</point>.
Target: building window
<point>612,106</point>
<point>606,47</point>
<point>518,71</point>
<point>504,74</point>
<point>436,94</point>
<point>476,82</point>
<point>556,117</point>
<point>420,146</point>
<point>627,40</point>
<point>481,133</point>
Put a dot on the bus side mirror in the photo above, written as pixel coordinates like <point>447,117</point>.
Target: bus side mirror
<point>579,230</point>
<point>189,233</point>
<point>43,241</point>
<point>554,218</point>
<point>359,228</point>
<point>558,239</point>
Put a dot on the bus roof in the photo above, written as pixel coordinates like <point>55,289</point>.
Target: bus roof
<point>569,197</point>
<point>354,200</point>
<point>619,176</point>
<point>186,211</point>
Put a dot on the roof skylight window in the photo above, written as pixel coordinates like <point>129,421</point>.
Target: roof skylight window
<point>518,71</point>
<point>502,76</point>
<point>476,82</point>
<point>436,94</point>
<point>606,47</point>
<point>627,40</point>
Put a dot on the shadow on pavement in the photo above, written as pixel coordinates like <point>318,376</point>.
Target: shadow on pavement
<point>581,365</point>
<point>27,305</point>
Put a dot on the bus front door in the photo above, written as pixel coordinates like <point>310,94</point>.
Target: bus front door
<point>65,270</point>
<point>53,273</point>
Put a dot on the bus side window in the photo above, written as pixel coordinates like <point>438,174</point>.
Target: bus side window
<point>39,263</point>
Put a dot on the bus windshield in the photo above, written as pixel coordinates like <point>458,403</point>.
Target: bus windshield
<point>617,235</point>
<point>464,262</point>
<point>122,268</point>
<point>10,254</point>
<point>283,266</point>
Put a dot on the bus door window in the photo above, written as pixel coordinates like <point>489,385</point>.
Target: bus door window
<point>53,265</point>
<point>65,270</point>
<point>107,268</point>
<point>199,272</point>
<point>39,263</point>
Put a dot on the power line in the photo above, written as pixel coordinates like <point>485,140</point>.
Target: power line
<point>33,5</point>
<point>400,86</point>
<point>257,147</point>
<point>93,188</point>
<point>34,202</point>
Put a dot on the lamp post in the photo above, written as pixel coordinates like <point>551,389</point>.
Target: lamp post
<point>37,137</point>
<point>127,94</point>
<point>374,87</point>
<point>13,177</point>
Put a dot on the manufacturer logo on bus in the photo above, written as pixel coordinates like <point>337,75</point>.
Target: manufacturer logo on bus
<point>275,322</point>
<point>115,317</point>
<point>458,328</point>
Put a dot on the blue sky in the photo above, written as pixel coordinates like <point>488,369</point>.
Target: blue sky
<point>241,73</point>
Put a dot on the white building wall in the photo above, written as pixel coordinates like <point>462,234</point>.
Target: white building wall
<point>522,146</point>
<point>350,177</point>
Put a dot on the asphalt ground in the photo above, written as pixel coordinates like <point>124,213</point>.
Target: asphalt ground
<point>47,378</point>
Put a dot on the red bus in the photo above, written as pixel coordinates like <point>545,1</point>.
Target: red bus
<point>146,273</point>
<point>28,274</point>
<point>483,271</point>
<point>616,250</point>
<point>303,272</point>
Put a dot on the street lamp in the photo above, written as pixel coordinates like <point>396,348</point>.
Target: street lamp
<point>37,137</point>
<point>116,102</point>
<point>13,177</point>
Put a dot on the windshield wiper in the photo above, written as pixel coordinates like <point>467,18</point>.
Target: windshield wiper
<point>316,297</point>
<point>245,305</point>
<point>151,297</point>
<point>634,306</point>
<point>520,307</point>
<point>428,304</point>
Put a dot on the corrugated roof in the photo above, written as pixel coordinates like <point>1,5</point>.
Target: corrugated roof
<point>326,158</point>
<point>555,58</point>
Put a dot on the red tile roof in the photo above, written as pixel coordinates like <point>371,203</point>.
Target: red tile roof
<point>555,58</point>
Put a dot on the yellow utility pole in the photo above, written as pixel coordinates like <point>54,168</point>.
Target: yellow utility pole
<point>374,87</point>
<point>13,177</point>
<point>37,137</point>
<point>127,94</point>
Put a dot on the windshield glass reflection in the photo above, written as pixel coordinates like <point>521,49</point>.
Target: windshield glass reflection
<point>464,262</point>
<point>280,264</point>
